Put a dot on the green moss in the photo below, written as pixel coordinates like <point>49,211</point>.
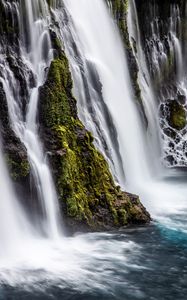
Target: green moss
<point>57,111</point>
<point>120,9</point>
<point>84,179</point>
<point>123,216</point>
<point>18,168</point>
<point>177,115</point>
<point>84,182</point>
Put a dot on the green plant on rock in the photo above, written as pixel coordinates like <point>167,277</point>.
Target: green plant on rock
<point>177,115</point>
<point>19,168</point>
<point>84,182</point>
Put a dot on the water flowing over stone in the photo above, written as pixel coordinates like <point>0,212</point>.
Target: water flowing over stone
<point>164,47</point>
<point>112,77</point>
<point>35,53</point>
<point>138,151</point>
<point>137,154</point>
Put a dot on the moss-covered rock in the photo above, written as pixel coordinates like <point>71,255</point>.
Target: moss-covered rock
<point>14,151</point>
<point>119,10</point>
<point>87,193</point>
<point>15,156</point>
<point>18,166</point>
<point>176,115</point>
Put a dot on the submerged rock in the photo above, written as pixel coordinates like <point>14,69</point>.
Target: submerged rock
<point>89,198</point>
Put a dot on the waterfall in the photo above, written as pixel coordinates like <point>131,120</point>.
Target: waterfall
<point>110,66</point>
<point>93,110</point>
<point>36,54</point>
<point>13,226</point>
<point>104,51</point>
<point>103,89</point>
<point>148,96</point>
<point>95,42</point>
<point>164,54</point>
<point>36,259</point>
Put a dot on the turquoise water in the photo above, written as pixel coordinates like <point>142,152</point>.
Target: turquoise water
<point>138,263</point>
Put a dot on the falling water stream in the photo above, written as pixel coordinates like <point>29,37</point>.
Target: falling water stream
<point>139,149</point>
<point>37,60</point>
<point>144,263</point>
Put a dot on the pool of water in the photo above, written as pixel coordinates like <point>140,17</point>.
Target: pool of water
<point>137,263</point>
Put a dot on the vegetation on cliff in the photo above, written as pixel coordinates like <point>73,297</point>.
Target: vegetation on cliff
<point>175,114</point>
<point>85,185</point>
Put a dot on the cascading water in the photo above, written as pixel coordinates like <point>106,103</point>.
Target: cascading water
<point>111,70</point>
<point>57,261</point>
<point>16,230</point>
<point>136,146</point>
<point>37,57</point>
<point>147,92</point>
<point>165,54</point>
<point>93,265</point>
<point>92,108</point>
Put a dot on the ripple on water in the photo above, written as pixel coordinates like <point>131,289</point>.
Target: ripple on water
<point>140,263</point>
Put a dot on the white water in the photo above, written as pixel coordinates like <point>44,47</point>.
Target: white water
<point>39,57</point>
<point>83,264</point>
<point>13,225</point>
<point>92,109</point>
<point>36,55</point>
<point>61,259</point>
<point>98,42</point>
<point>105,51</point>
<point>147,94</point>
<point>166,57</point>
<point>85,261</point>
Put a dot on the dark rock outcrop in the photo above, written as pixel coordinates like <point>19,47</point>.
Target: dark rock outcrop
<point>87,193</point>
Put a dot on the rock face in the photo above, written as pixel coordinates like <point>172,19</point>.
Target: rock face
<point>159,39</point>
<point>176,115</point>
<point>162,29</point>
<point>88,197</point>
<point>87,193</point>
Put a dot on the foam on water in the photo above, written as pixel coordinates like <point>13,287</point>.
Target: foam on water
<point>83,263</point>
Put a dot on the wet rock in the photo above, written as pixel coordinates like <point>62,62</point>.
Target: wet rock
<point>88,196</point>
<point>181,99</point>
<point>176,115</point>
<point>15,154</point>
<point>170,159</point>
